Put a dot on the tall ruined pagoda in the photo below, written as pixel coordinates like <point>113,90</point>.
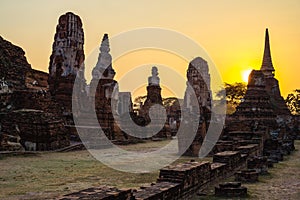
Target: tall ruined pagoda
<point>198,78</point>
<point>66,60</point>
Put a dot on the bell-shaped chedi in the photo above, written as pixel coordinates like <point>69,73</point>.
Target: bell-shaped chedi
<point>197,102</point>
<point>262,110</point>
<point>272,85</point>
<point>254,119</point>
<point>66,60</point>
<point>255,112</point>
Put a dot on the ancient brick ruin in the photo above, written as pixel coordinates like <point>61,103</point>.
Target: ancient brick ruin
<point>28,115</point>
<point>153,98</point>
<point>183,181</point>
<point>255,111</point>
<point>66,59</point>
<point>31,97</point>
<point>231,189</point>
<point>66,62</point>
<point>104,90</point>
<point>254,118</point>
<point>36,115</point>
<point>101,192</point>
<point>262,117</point>
<point>272,84</point>
<point>153,95</point>
<point>198,78</point>
<point>14,66</point>
<point>254,138</point>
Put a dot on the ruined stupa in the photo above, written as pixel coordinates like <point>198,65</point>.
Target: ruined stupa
<point>198,78</point>
<point>255,112</point>
<point>66,60</point>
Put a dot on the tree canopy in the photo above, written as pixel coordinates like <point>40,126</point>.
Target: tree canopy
<point>293,102</point>
<point>234,92</point>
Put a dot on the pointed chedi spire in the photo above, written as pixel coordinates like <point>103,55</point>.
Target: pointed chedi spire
<point>267,65</point>
<point>103,67</point>
<point>105,44</point>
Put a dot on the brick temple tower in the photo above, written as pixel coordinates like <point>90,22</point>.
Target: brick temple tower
<point>198,78</point>
<point>105,90</point>
<point>255,112</point>
<point>262,108</point>
<point>153,90</point>
<point>153,97</point>
<point>272,85</point>
<point>66,60</point>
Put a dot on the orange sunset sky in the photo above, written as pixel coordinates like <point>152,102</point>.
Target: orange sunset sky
<point>231,32</point>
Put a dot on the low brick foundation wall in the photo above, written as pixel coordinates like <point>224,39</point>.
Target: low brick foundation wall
<point>160,190</point>
<point>183,181</point>
<point>249,175</point>
<point>231,189</point>
<point>103,192</point>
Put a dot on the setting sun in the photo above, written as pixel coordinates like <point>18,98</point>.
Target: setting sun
<point>245,75</point>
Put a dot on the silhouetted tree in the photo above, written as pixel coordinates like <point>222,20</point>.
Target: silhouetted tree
<point>170,101</point>
<point>293,102</point>
<point>138,100</point>
<point>234,94</point>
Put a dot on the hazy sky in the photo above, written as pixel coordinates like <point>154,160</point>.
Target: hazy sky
<point>231,31</point>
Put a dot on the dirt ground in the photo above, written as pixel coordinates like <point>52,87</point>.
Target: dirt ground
<point>48,175</point>
<point>282,183</point>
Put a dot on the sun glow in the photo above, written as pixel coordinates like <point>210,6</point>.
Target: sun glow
<point>245,75</point>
